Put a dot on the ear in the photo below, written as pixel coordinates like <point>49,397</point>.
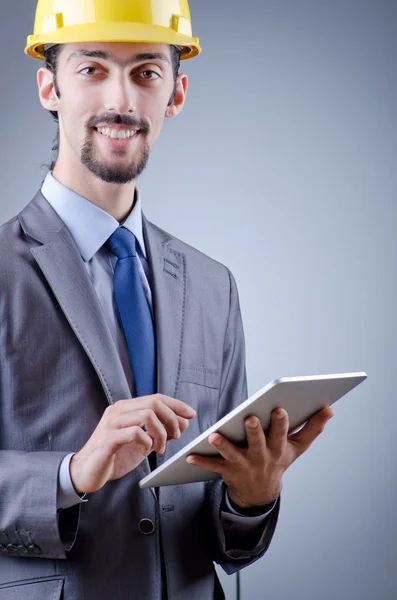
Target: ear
<point>45,81</point>
<point>181,90</point>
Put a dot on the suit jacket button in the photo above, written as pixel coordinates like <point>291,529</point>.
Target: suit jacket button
<point>146,526</point>
<point>33,549</point>
<point>11,548</point>
<point>22,549</point>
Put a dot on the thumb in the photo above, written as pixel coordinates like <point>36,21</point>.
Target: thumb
<point>304,438</point>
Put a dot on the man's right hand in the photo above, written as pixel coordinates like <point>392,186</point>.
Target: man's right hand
<point>128,431</point>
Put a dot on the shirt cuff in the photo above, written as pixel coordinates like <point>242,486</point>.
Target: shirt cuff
<point>66,494</point>
<point>257,518</point>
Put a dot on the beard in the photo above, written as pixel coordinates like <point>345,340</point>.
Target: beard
<point>117,173</point>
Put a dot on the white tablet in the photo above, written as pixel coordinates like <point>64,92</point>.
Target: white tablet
<point>301,397</point>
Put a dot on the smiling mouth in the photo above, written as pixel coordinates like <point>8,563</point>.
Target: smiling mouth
<point>117,134</point>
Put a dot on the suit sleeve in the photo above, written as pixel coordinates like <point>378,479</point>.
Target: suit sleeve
<point>30,524</point>
<point>234,548</point>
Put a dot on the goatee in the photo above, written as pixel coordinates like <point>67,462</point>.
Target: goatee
<point>117,173</point>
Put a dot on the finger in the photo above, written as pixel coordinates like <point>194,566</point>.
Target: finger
<point>167,417</point>
<point>143,418</point>
<point>303,439</point>
<point>155,430</point>
<point>276,439</point>
<point>183,424</point>
<point>177,406</point>
<point>256,439</point>
<point>226,449</point>
<point>214,465</point>
<point>131,435</point>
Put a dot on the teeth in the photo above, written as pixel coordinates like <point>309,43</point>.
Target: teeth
<point>115,134</point>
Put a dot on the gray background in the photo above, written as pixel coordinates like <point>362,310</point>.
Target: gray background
<point>282,166</point>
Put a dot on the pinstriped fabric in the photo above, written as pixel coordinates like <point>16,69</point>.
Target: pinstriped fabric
<point>133,311</point>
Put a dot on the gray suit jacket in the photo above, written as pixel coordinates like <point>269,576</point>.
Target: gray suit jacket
<point>59,369</point>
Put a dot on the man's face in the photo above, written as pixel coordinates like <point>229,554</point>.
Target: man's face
<point>113,100</point>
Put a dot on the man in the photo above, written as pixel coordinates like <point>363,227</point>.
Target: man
<point>120,343</point>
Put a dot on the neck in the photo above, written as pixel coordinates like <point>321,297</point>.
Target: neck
<point>116,199</point>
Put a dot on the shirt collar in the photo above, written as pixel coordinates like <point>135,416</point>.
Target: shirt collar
<point>89,225</point>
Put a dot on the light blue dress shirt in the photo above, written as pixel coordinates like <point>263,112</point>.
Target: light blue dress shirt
<point>91,227</point>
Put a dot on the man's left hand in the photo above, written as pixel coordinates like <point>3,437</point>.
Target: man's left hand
<point>253,474</point>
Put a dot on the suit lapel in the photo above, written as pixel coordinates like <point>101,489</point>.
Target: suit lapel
<point>64,270</point>
<point>168,271</point>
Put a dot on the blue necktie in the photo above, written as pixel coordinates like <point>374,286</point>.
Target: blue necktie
<point>133,311</point>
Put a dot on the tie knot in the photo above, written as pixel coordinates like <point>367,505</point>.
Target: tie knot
<point>122,243</point>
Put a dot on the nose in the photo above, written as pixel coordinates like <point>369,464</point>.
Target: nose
<point>120,96</point>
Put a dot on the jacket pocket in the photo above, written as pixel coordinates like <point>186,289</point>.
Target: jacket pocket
<point>38,590</point>
<point>199,388</point>
<point>206,377</point>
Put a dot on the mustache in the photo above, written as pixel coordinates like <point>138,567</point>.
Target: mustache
<point>113,119</point>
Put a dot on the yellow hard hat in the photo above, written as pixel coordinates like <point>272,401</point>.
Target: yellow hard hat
<point>151,21</point>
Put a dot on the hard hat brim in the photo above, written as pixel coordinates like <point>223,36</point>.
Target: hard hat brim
<point>113,32</point>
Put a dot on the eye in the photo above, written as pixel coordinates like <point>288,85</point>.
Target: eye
<point>92,69</point>
<point>148,74</point>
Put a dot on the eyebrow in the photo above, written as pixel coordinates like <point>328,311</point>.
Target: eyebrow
<point>143,56</point>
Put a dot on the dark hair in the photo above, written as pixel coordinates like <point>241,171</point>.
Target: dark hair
<point>51,57</point>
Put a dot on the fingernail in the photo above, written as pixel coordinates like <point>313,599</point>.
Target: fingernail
<point>190,459</point>
<point>280,414</point>
<point>216,441</point>
<point>252,422</point>
<point>177,434</point>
